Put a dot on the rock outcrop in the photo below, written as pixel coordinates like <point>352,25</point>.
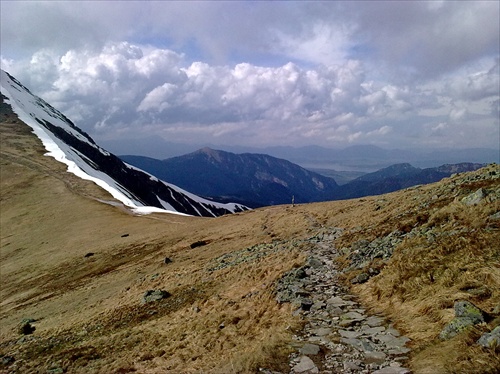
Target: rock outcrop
<point>154,295</point>
<point>491,339</point>
<point>466,315</point>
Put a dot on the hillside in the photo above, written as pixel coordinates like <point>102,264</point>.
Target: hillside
<point>254,180</point>
<point>77,271</point>
<point>70,145</point>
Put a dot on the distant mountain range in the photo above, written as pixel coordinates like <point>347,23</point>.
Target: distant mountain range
<point>399,176</point>
<point>251,179</point>
<point>258,180</point>
<point>358,158</point>
<point>369,158</point>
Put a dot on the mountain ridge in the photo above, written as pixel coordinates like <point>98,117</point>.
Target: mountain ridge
<point>260,180</point>
<point>67,143</point>
<point>252,179</point>
<point>350,158</point>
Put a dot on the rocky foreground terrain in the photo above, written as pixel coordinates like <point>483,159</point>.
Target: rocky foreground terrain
<point>397,283</point>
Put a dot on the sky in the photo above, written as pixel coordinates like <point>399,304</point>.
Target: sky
<point>396,74</point>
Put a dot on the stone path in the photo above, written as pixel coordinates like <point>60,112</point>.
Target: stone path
<point>339,336</point>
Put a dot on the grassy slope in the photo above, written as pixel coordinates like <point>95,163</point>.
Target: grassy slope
<point>454,255</point>
<point>88,310</point>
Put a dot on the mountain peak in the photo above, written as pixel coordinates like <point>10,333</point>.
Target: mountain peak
<point>401,167</point>
<point>210,153</point>
<point>206,150</point>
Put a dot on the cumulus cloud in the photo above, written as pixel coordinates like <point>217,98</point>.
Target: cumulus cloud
<point>481,83</point>
<point>392,73</point>
<point>126,89</point>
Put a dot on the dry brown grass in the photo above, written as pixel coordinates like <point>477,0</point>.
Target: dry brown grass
<point>428,273</point>
<point>88,309</point>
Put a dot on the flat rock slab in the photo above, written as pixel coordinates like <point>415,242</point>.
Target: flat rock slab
<point>349,334</point>
<point>374,321</point>
<point>375,357</point>
<point>305,365</point>
<point>348,322</point>
<point>309,349</point>
<point>373,330</point>
<point>393,331</point>
<point>319,339</point>
<point>360,344</point>
<point>351,365</point>
<point>397,342</point>
<point>384,338</point>
<point>322,331</point>
<point>392,370</point>
<point>351,341</point>
<point>353,315</point>
<point>318,305</point>
<point>338,301</point>
<point>399,351</point>
<point>334,310</point>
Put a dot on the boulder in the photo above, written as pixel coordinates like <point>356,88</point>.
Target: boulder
<point>305,365</point>
<point>466,309</point>
<point>466,315</point>
<point>26,328</point>
<point>154,295</point>
<point>474,198</point>
<point>491,339</point>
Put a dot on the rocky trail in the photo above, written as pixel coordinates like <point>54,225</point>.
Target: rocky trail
<point>339,336</point>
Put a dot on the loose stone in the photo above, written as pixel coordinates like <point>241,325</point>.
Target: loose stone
<point>349,334</point>
<point>339,334</point>
<point>392,370</point>
<point>309,349</point>
<point>375,357</point>
<point>305,365</point>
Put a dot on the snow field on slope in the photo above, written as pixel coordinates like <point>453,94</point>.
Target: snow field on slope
<point>24,104</point>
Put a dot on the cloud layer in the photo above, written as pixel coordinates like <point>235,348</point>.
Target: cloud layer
<point>257,73</point>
